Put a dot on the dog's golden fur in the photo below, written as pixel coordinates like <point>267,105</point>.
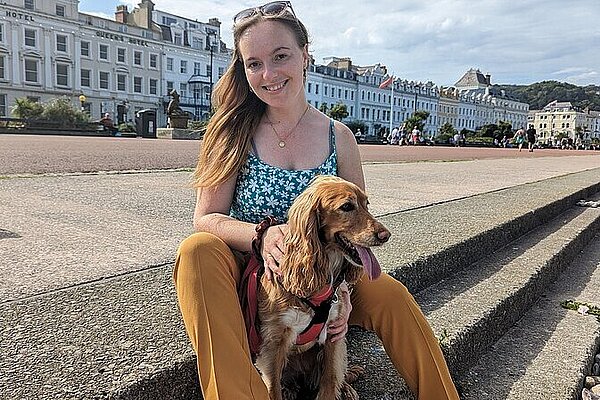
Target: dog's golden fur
<point>327,216</point>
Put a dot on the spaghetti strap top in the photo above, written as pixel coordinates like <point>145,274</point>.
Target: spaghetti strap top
<point>265,190</point>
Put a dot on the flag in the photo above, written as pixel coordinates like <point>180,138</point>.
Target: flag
<point>387,82</point>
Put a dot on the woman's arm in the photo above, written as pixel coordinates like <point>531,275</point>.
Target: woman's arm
<point>349,165</point>
<point>212,215</point>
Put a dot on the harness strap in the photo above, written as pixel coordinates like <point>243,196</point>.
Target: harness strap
<point>248,294</point>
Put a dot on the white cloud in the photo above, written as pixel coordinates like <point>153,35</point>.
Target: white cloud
<point>516,42</point>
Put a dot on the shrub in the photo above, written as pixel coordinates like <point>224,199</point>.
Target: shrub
<point>126,127</point>
<point>62,110</point>
<point>27,109</point>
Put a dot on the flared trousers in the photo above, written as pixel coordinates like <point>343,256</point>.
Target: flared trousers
<point>206,277</point>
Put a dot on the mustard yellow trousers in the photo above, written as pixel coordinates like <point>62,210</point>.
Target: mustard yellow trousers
<point>206,278</point>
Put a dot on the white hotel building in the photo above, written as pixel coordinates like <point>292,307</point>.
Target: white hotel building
<point>49,49</point>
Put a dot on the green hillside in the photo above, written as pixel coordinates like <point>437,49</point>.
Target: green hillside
<point>537,95</point>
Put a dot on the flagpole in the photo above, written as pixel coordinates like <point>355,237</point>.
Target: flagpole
<point>392,106</point>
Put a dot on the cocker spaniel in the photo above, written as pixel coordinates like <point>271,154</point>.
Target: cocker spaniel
<point>330,232</point>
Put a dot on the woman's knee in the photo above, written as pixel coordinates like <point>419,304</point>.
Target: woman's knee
<point>202,254</point>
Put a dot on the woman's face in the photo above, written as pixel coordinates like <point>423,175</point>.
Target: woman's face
<point>273,62</point>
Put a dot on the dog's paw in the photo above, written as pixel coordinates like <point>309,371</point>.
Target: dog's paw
<point>354,372</point>
<point>348,392</point>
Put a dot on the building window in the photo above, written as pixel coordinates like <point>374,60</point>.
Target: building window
<point>170,86</point>
<point>60,10</point>
<point>177,39</point>
<point>208,70</point>
<point>183,89</point>
<point>61,43</point>
<point>221,71</point>
<point>153,61</point>
<point>153,86</point>
<point>197,43</point>
<point>1,33</point>
<point>183,67</point>
<point>169,64</point>
<point>137,58</point>
<point>29,4</point>
<point>169,21</point>
<point>197,68</point>
<point>2,105</point>
<point>30,37</point>
<point>31,71</point>
<point>316,88</point>
<point>137,84</point>
<point>85,49</point>
<point>104,83</point>
<point>85,77</point>
<point>121,54</point>
<point>2,67</point>
<point>103,55</point>
<point>121,85</point>
<point>123,28</point>
<point>62,75</point>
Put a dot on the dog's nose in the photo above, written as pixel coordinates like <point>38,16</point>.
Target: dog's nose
<point>383,235</point>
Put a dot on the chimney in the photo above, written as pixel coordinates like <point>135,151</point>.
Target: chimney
<point>488,79</point>
<point>121,14</point>
<point>214,22</point>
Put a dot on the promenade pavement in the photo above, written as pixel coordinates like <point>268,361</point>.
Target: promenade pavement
<point>62,228</point>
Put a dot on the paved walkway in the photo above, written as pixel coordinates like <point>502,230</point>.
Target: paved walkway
<point>65,230</point>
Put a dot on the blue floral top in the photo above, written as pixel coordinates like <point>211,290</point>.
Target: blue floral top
<point>264,190</point>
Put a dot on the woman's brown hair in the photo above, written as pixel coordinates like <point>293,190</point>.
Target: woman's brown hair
<point>238,111</point>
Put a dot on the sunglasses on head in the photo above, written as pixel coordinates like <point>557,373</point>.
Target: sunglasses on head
<point>269,9</point>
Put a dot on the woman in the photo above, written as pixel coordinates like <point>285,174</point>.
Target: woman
<point>261,148</point>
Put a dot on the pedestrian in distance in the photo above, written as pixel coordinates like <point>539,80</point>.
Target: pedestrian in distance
<point>531,137</point>
<point>262,147</point>
<point>519,138</point>
<point>415,136</point>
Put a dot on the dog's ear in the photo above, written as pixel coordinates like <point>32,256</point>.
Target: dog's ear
<point>304,263</point>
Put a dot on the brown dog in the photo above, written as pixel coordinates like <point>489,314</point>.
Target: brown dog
<point>330,232</point>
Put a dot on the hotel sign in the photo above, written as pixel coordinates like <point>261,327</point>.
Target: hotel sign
<point>18,15</point>
<point>121,38</point>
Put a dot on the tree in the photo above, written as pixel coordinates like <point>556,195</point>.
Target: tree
<point>356,125</point>
<point>490,130</point>
<point>417,120</point>
<point>505,128</point>
<point>338,111</point>
<point>323,108</point>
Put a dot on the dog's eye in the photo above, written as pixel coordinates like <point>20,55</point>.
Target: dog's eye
<point>347,207</point>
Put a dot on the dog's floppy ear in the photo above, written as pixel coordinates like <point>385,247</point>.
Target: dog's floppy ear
<point>304,261</point>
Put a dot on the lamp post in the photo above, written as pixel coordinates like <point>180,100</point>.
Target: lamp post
<point>82,100</point>
<point>211,36</point>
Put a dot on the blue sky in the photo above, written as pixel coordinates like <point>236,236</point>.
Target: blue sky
<point>517,42</point>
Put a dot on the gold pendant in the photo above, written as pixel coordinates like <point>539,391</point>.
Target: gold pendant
<point>281,144</point>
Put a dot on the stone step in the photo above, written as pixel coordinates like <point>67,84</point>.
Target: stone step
<point>475,306</point>
<point>122,338</point>
<point>547,354</point>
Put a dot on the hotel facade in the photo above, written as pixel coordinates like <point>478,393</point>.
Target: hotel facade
<point>49,49</point>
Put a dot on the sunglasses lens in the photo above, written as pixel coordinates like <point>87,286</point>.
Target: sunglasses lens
<point>274,8</point>
<point>244,14</point>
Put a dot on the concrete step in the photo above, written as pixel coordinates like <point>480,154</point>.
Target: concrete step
<point>547,354</point>
<point>474,307</point>
<point>122,338</point>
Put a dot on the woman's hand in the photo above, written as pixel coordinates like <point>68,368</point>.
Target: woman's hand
<point>337,329</point>
<point>272,248</point>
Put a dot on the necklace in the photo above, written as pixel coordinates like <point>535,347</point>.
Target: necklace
<point>289,135</point>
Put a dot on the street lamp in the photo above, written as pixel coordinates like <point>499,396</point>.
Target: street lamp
<point>211,37</point>
<point>82,100</point>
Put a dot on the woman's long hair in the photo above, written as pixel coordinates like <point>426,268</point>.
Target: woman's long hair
<point>238,111</point>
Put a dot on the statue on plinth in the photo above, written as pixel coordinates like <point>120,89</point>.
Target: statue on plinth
<point>177,117</point>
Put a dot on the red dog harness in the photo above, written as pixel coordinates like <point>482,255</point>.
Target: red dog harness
<point>320,303</point>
